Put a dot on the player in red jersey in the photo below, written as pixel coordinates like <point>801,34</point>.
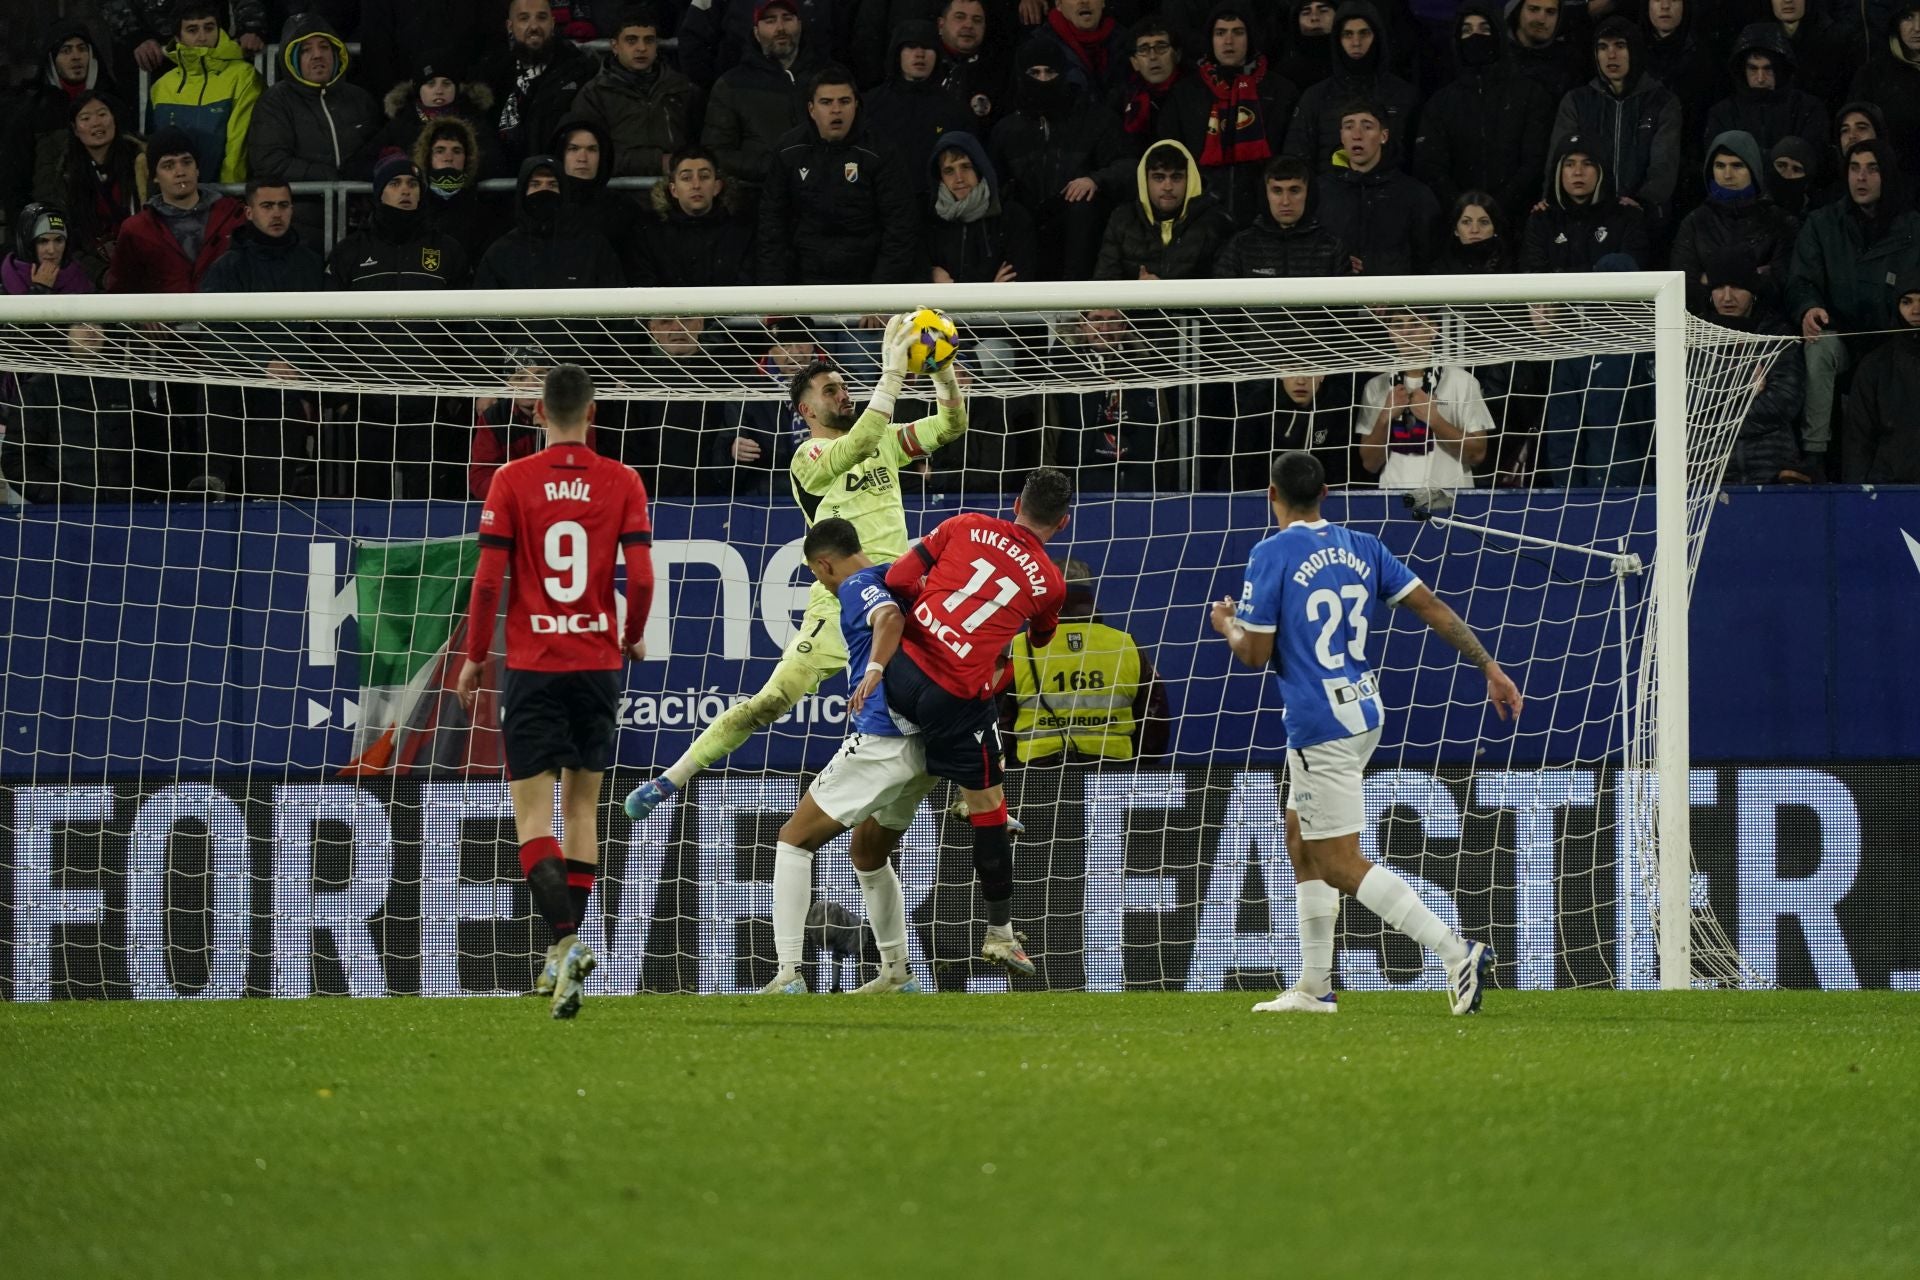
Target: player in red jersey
<point>970,586</point>
<point>562,517</point>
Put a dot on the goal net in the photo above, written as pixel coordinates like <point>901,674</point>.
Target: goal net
<point>235,562</point>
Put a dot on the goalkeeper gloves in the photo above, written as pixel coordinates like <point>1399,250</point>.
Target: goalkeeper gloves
<point>894,347</point>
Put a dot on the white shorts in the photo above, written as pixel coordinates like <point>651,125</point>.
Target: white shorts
<point>1324,785</point>
<point>874,777</point>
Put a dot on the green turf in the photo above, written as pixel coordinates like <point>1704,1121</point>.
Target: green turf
<point>991,1136</point>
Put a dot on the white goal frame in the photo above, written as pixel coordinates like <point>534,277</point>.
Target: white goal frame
<point>1671,569</point>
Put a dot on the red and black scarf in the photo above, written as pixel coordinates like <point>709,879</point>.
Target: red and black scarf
<point>1090,47</point>
<point>1237,126</point>
<point>1143,100</point>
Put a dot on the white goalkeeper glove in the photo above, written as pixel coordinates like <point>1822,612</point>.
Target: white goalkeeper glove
<point>895,344</point>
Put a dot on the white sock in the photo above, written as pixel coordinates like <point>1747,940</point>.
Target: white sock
<point>683,770</point>
<point>1318,904</point>
<point>886,912</point>
<point>792,895</point>
<point>1395,902</point>
<point>1000,932</point>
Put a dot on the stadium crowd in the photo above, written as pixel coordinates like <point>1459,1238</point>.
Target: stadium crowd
<point>1760,146</point>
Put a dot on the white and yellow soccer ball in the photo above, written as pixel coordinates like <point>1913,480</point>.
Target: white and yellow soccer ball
<point>935,341</point>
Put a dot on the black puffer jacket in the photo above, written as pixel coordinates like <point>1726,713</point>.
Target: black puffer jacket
<point>1637,134</point>
<point>590,203</point>
<point>1315,132</point>
<point>1784,111</point>
<point>836,213</point>
<point>1284,253</point>
<point>1387,219</point>
<point>255,264</point>
<point>1486,130</point>
<point>1768,442</point>
<point>1570,236</point>
<point>751,107</point>
<point>311,132</point>
<point>1179,248</point>
<point>1893,82</point>
<point>673,250</point>
<point>543,252</point>
<point>972,252</point>
<point>398,249</point>
<point>1756,225</point>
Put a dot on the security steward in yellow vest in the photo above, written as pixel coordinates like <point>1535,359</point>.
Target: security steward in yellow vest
<point>1090,694</point>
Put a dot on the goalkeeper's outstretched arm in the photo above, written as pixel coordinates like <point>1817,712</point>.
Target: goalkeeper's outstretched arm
<point>1451,627</point>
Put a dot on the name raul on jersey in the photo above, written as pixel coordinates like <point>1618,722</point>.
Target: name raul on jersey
<point>572,490</point>
<point>1014,552</point>
<point>1326,557</point>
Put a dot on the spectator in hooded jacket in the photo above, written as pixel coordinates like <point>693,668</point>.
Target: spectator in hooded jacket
<point>1313,412</point>
<point>1792,163</point>
<point>1063,158</point>
<point>1173,229</point>
<point>836,209</point>
<point>759,99</point>
<point>1882,444</point>
<point>1231,112</point>
<point>544,251</point>
<point>1737,214</point>
<point>447,154</point>
<point>1824,53</point>
<point>1288,241</point>
<point>210,93</point>
<point>644,105</point>
<point>1891,79</point>
<point>1360,74</point>
<point>1581,221</point>
<point>1543,49</point>
<point>1854,122</point>
<point>534,79</point>
<point>435,92</point>
<point>1685,56</point>
<point>1091,42</point>
<point>1486,129</point>
<point>144,29</point>
<point>1154,70</point>
<point>974,70</point>
<point>696,238</point>
<point>1386,218</point>
<point>1766,450</point>
<point>1630,118</point>
<point>908,114</point>
<point>169,246</point>
<point>98,173</point>
<point>1303,51</point>
<point>586,157</point>
<point>70,68</point>
<point>974,235</point>
<point>1838,288</point>
<point>313,125</point>
<point>1766,103</point>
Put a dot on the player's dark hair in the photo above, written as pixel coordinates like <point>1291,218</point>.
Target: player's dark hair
<point>266,182</point>
<point>567,393</point>
<point>831,537</point>
<point>831,74</point>
<point>1287,169</point>
<point>1046,496</point>
<point>803,380</point>
<point>1299,478</point>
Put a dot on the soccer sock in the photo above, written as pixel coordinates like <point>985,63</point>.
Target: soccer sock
<point>579,885</point>
<point>546,872</point>
<point>993,863</point>
<point>792,895</point>
<point>1319,906</point>
<point>1395,902</point>
<point>886,912</point>
<point>678,775</point>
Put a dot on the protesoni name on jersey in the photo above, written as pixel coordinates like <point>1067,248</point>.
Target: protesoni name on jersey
<point>1330,556</point>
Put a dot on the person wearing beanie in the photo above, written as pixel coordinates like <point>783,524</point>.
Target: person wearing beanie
<point>434,92</point>
<point>757,100</point>
<point>907,115</point>
<point>1792,163</point>
<point>1882,442</point>
<point>1891,77</point>
<point>210,93</point>
<point>313,125</point>
<point>1766,450</point>
<point>169,246</point>
<point>643,105</point>
<point>1631,119</point>
<point>1360,61</point>
<point>1766,103</point>
<point>1232,111</point>
<point>1838,287</point>
<point>535,75</point>
<point>1063,158</point>
<point>1737,214</point>
<point>42,261</point>
<point>399,246</point>
<point>1486,129</point>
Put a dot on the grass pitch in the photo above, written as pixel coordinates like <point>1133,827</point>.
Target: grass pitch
<point>1691,1134</point>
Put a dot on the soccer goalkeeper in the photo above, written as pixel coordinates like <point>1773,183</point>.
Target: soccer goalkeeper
<point>848,468</point>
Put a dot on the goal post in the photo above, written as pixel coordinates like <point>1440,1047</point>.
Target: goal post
<point>1623,723</point>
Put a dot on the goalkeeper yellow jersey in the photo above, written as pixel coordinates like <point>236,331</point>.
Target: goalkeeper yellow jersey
<point>856,476</point>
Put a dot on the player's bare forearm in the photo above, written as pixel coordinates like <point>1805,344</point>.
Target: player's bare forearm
<point>1448,625</point>
<point>1373,446</point>
<point>888,626</point>
<point>1252,649</point>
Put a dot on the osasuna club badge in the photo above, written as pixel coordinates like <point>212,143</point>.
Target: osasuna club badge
<point>852,171</point>
<point>429,259</point>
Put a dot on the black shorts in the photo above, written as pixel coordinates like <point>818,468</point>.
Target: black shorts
<point>961,735</point>
<point>551,720</point>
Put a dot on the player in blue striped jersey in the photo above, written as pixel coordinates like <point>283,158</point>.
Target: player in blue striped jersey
<point>1306,610</point>
<point>872,786</point>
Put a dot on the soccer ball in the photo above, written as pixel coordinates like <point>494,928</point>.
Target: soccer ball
<point>935,341</point>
